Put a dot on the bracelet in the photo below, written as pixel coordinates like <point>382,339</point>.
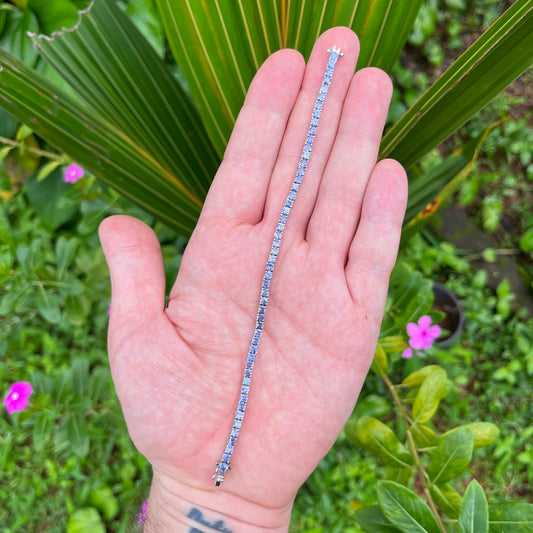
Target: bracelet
<point>223,465</point>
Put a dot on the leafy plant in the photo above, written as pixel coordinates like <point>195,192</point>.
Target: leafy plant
<point>424,465</point>
<point>150,143</point>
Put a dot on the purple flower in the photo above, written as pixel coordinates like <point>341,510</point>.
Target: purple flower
<point>422,335</point>
<point>142,514</point>
<point>17,399</point>
<point>73,173</point>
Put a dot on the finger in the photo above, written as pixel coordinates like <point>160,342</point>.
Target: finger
<point>135,263</point>
<point>373,251</point>
<point>294,140</point>
<point>336,213</point>
<point>239,187</point>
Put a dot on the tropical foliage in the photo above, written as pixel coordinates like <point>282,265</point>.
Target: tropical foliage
<point>125,118</point>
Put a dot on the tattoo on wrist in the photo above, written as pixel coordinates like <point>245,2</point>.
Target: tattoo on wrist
<point>196,515</point>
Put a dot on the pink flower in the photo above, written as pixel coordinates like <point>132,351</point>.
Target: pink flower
<point>142,514</point>
<point>73,173</point>
<point>17,399</point>
<point>422,335</point>
<point>407,353</point>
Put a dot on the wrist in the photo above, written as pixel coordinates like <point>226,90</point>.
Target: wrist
<point>175,507</point>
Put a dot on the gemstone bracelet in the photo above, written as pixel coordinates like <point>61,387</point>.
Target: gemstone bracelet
<point>224,464</point>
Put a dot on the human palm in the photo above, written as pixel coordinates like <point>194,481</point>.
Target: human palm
<point>178,370</point>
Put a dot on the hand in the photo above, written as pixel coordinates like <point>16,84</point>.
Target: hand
<point>178,370</point>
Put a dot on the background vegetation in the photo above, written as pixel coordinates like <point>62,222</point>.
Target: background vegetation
<point>67,464</point>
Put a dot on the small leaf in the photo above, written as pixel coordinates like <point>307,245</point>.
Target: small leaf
<point>105,501</point>
<point>41,430</point>
<point>447,499</point>
<point>431,392</point>
<point>511,517</point>
<point>77,436</point>
<point>47,169</point>
<point>65,251</point>
<point>76,308</point>
<point>380,365</point>
<point>48,305</point>
<point>484,433</point>
<point>405,509</point>
<point>474,513</point>
<point>417,378</point>
<point>85,520</point>
<point>373,405</point>
<point>372,520</point>
<point>424,437</point>
<point>452,456</point>
<point>374,436</point>
<point>526,241</point>
<point>80,375</point>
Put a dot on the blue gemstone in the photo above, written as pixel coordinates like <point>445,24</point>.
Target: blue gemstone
<point>289,203</point>
<point>253,350</point>
<point>295,187</point>
<point>314,121</point>
<point>298,179</point>
<point>316,113</point>
<point>245,389</point>
<point>246,381</point>
<point>303,164</point>
<point>248,373</point>
<point>286,211</point>
<point>268,275</point>
<point>234,431</point>
<point>228,450</point>
<point>292,195</point>
<point>222,468</point>
<point>313,130</point>
<point>242,407</point>
<point>249,365</point>
<point>233,441</point>
<point>266,284</point>
<point>319,104</point>
<point>226,458</point>
<point>333,55</point>
<point>270,264</point>
<point>237,424</point>
<point>239,415</point>
<point>243,399</point>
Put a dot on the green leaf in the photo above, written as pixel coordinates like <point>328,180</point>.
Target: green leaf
<point>432,390</point>
<point>41,430</point>
<point>474,513</point>
<point>47,197</point>
<point>447,499</point>
<point>48,306</point>
<point>423,436</point>
<point>374,436</point>
<point>419,376</point>
<point>144,135</point>
<point>452,456</point>
<point>80,375</point>
<point>499,56</point>
<point>65,251</point>
<point>373,405</point>
<point>84,521</point>
<point>380,364</point>
<point>511,517</point>
<point>105,501</point>
<point>526,241</point>
<point>77,308</point>
<point>14,39</point>
<point>405,509</point>
<point>219,50</point>
<point>77,436</point>
<point>372,520</point>
<point>484,433</point>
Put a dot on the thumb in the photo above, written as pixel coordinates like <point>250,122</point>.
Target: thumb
<point>135,262</point>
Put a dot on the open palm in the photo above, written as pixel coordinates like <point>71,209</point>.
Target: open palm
<point>178,369</point>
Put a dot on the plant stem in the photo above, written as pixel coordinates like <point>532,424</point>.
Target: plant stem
<point>414,452</point>
<point>36,151</point>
